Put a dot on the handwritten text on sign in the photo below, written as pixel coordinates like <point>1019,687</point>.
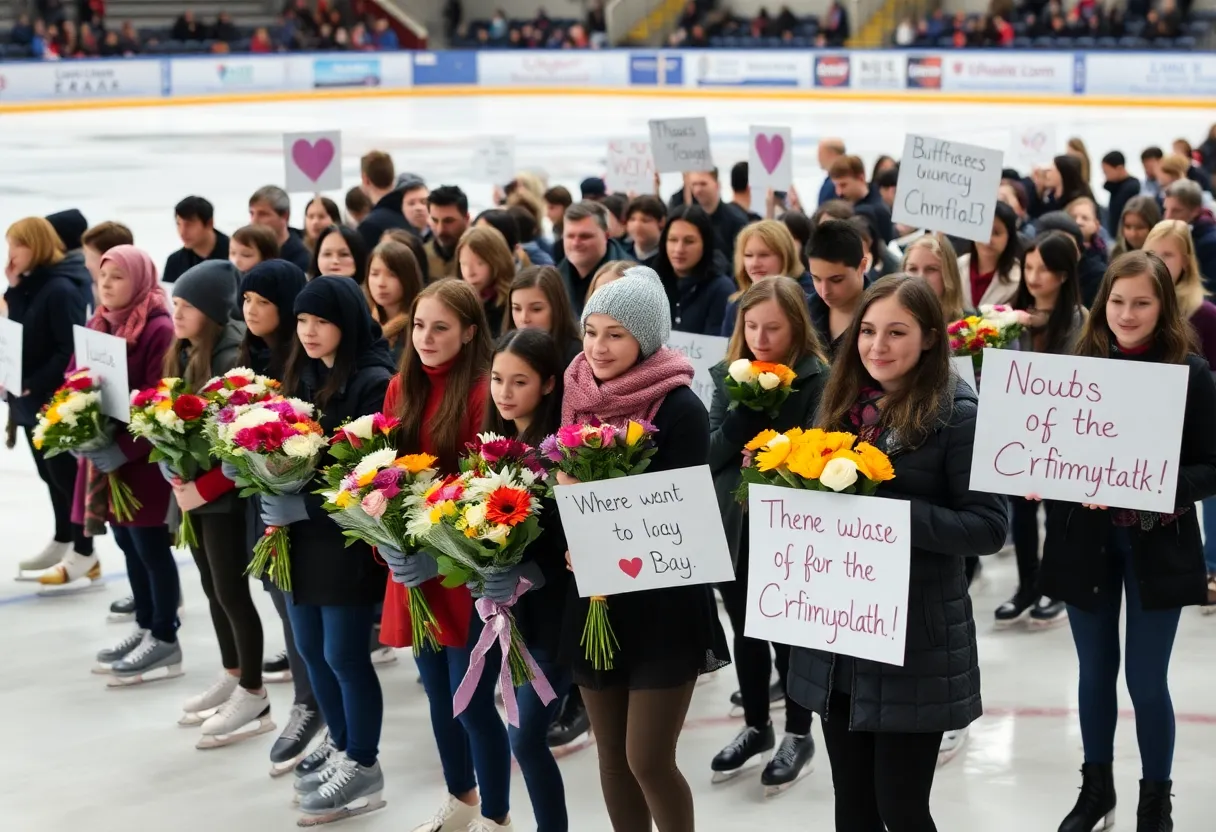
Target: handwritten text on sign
<point>494,159</point>
<point>948,187</point>
<point>630,166</point>
<point>1077,429</point>
<point>703,352</point>
<point>829,572</point>
<point>680,145</point>
<point>11,345</point>
<point>647,531</point>
<point>106,356</point>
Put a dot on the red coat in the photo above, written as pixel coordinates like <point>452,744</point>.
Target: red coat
<point>453,608</point>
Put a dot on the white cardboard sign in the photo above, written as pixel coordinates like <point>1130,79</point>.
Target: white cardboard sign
<point>1078,429</point>
<point>703,352</point>
<point>630,167</point>
<point>965,367</point>
<point>106,356</point>
<point>313,161</point>
<point>770,161</point>
<point>829,571</point>
<point>680,145</point>
<point>648,531</point>
<point>11,347</point>
<point>1031,145</point>
<point>948,187</point>
<point>494,159</point>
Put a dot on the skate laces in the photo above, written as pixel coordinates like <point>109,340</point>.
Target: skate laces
<point>741,739</point>
<point>786,751</point>
<point>297,722</point>
<point>449,808</point>
<point>129,643</point>
<point>340,773</point>
<point>233,702</point>
<point>146,645</point>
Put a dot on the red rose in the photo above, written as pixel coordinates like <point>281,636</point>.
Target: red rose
<point>83,382</point>
<point>144,397</point>
<point>239,398</point>
<point>237,382</point>
<point>215,386</point>
<point>188,408</point>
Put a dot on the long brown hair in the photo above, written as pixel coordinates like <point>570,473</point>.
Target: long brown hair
<point>912,412</point>
<point>1172,336</point>
<point>398,258</point>
<point>196,369</point>
<point>490,246</point>
<point>791,300</point>
<point>470,367</point>
<point>548,279</point>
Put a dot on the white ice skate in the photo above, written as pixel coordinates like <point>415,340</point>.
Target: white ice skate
<point>244,715</point>
<point>452,816</point>
<point>74,574</point>
<point>152,661</point>
<point>50,556</point>
<point>351,790</point>
<point>487,825</point>
<point>384,655</point>
<point>952,744</point>
<point>198,709</point>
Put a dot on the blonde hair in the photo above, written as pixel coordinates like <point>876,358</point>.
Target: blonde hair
<point>40,237</point>
<point>529,181</point>
<point>952,279</point>
<point>489,244</point>
<point>1189,287</point>
<point>1078,149</point>
<point>777,239</point>
<point>1176,165</point>
<point>616,268</point>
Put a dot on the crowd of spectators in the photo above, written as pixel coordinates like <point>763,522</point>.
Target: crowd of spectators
<point>703,25</point>
<point>539,32</point>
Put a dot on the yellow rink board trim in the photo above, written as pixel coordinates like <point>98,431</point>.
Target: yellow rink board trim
<point>718,93</point>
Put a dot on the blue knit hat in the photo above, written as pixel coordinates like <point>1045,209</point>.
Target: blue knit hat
<point>639,303</point>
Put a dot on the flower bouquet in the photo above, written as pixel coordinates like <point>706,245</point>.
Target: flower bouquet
<point>996,326</point>
<point>238,386</point>
<point>72,421</point>
<point>370,493</point>
<point>275,446</point>
<point>171,419</point>
<point>591,452</point>
<point>813,460</point>
<point>758,385</point>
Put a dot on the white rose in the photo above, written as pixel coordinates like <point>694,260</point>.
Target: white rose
<point>497,534</point>
<point>361,427</point>
<point>768,380</point>
<point>255,388</point>
<point>302,446</point>
<point>251,419</point>
<point>741,371</point>
<point>476,514</point>
<point>839,474</point>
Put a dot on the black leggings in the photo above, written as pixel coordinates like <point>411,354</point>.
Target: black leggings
<point>882,780</point>
<point>221,557</point>
<point>1025,528</point>
<point>59,474</point>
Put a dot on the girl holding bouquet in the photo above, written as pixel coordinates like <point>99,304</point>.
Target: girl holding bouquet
<point>131,305</point>
<point>440,398</point>
<point>772,325</point>
<point>667,637</point>
<point>342,366</point>
<point>891,385</point>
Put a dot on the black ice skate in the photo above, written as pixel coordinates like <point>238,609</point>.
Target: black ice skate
<point>746,751</point>
<point>290,748</point>
<point>790,764</point>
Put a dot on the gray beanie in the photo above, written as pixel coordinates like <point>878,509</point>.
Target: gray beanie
<point>639,302</point>
<point>210,287</point>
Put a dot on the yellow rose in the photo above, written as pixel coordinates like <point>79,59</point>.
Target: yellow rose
<point>633,433</point>
<point>877,464</point>
<point>345,499</point>
<point>808,458</point>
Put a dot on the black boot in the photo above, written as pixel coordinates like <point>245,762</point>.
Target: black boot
<point>571,722</point>
<point>776,695</point>
<point>744,750</point>
<point>1095,809</point>
<point>1153,812</point>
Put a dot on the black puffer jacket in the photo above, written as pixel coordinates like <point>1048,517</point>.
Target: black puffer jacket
<point>938,686</point>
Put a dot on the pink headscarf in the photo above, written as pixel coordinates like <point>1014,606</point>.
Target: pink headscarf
<point>128,323</point>
<point>635,394</point>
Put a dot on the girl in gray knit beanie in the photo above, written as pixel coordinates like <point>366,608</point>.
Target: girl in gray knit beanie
<point>638,302</point>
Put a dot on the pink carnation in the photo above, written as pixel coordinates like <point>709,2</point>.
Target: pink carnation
<point>570,436</point>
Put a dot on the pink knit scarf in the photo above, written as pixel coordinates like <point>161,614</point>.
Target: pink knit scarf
<point>636,394</point>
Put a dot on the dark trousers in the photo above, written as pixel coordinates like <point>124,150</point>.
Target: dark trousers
<point>299,670</point>
<point>1150,642</point>
<point>882,780</point>
<point>753,665</point>
<point>474,749</point>
<point>221,559</point>
<point>155,585</point>
<point>333,643</point>
<point>529,743</point>
<point>59,474</point>
<point>1025,529</point>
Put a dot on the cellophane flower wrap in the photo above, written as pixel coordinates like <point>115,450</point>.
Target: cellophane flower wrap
<point>275,446</point>
<point>813,460</point>
<point>238,387</point>
<point>758,385</point>
<point>172,419</point>
<point>996,326</point>
<point>591,452</point>
<point>72,421</point>
<point>370,493</point>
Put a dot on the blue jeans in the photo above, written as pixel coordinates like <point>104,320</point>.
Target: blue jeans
<point>1149,642</point>
<point>333,643</point>
<point>1209,534</point>
<point>155,585</point>
<point>530,744</point>
<point>473,748</point>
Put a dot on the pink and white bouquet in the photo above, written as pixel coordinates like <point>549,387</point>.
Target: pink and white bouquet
<point>997,326</point>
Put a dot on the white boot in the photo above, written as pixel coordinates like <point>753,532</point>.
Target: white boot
<point>71,573</point>
<point>50,555</point>
<point>452,816</point>
<point>197,709</point>
<point>245,714</point>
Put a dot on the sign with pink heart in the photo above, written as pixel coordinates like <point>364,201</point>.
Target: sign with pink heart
<point>648,531</point>
<point>313,161</point>
<point>770,162</point>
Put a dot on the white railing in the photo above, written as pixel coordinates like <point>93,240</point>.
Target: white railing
<point>622,15</point>
<point>401,16</point>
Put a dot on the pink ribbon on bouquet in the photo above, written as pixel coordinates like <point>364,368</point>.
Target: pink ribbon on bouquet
<point>497,619</point>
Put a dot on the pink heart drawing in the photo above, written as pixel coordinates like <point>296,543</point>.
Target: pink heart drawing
<point>312,159</point>
<point>630,567</point>
<point>770,149</point>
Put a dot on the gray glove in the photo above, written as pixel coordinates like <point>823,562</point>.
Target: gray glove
<point>281,510</point>
<point>501,586</point>
<point>166,471</point>
<point>230,470</point>
<point>409,570</point>
<point>107,460</point>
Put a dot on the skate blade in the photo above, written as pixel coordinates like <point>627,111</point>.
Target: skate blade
<point>77,587</point>
<point>1034,625</point>
<point>775,791</point>
<point>99,669</point>
<point>287,766</point>
<point>1011,623</point>
<point>276,678</point>
<point>119,617</point>
<point>171,672</point>
<point>384,656</point>
<point>30,576</point>
<point>736,712</point>
<point>363,806</point>
<point>577,745</point>
<point>1107,822</point>
<point>754,764</point>
<point>191,719</point>
<point>255,728</point>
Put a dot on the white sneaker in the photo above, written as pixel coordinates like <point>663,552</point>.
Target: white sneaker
<point>452,816</point>
<point>50,555</point>
<point>197,709</point>
<point>487,825</point>
<point>952,743</point>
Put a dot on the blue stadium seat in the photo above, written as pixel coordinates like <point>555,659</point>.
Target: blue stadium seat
<point>1063,42</point>
<point>1022,43</point>
<point>1134,28</point>
<point>801,43</point>
<point>1020,28</point>
<point>945,42</point>
<point>1107,43</point>
<point>1085,42</point>
<point>770,43</point>
<point>1162,43</point>
<point>733,43</point>
<point>1043,42</point>
<point>717,42</point>
<point>1185,42</point>
<point>1128,42</point>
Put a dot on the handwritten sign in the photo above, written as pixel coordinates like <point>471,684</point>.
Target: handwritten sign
<point>703,352</point>
<point>1031,145</point>
<point>948,187</point>
<point>11,347</point>
<point>770,161</point>
<point>494,159</point>
<point>965,367</point>
<point>1078,429</point>
<point>313,160</point>
<point>680,145</point>
<point>647,531</point>
<point>829,571</point>
<point>106,356</point>
<point>630,167</point>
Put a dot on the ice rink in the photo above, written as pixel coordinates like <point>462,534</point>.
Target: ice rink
<point>81,757</point>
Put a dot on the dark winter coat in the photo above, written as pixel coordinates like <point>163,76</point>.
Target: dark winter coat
<point>878,213</point>
<point>576,284</point>
<point>1203,233</point>
<point>294,251</point>
<point>730,430</point>
<point>539,612</point>
<point>938,686</point>
<point>821,319</point>
<point>1168,558</point>
<point>1120,193</point>
<point>385,216</point>
<point>184,259</point>
<point>728,219</point>
<point>47,303</point>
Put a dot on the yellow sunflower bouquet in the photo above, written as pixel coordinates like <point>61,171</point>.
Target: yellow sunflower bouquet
<point>813,460</point>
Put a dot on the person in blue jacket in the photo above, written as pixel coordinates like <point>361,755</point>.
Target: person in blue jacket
<point>694,272</point>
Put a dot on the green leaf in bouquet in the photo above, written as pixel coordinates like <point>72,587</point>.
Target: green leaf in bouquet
<point>454,574</point>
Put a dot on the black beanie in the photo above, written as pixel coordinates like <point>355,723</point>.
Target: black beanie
<point>211,288</point>
<point>340,301</point>
<point>70,225</point>
<point>279,281</point>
